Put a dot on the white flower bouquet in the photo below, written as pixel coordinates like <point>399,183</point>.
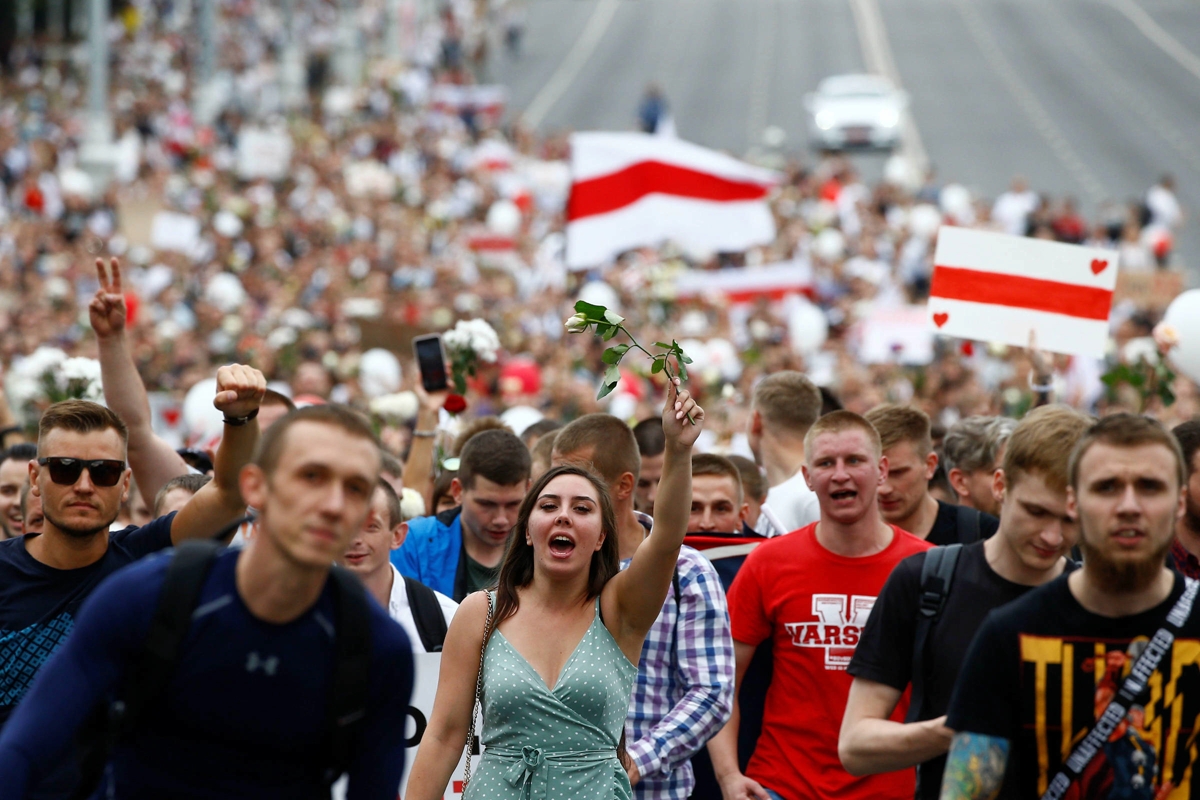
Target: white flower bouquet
<point>467,344</point>
<point>49,376</point>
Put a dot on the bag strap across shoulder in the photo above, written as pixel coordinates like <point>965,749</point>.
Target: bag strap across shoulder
<point>351,671</point>
<point>151,670</point>
<point>471,746</point>
<point>1135,682</point>
<point>937,574</point>
<point>427,613</point>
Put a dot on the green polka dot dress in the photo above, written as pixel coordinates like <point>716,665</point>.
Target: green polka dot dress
<point>560,743</point>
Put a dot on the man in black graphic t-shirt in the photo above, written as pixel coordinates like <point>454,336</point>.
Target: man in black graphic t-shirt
<point>1044,668</point>
<point>1031,548</point>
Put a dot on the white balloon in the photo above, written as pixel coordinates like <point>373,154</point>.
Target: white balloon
<point>521,417</point>
<point>379,373</point>
<point>830,244</point>
<point>724,356</point>
<point>599,293</point>
<point>807,327</point>
<point>199,414</point>
<point>1184,316</point>
<point>504,218</point>
<point>955,200</point>
<point>924,220</point>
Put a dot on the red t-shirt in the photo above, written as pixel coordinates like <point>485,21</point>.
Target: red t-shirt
<point>814,604</point>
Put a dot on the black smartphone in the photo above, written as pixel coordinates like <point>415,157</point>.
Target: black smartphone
<point>431,361</point>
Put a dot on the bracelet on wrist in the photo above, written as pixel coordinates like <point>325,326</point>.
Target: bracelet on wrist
<point>424,434</point>
<point>1042,388</point>
<point>237,422</point>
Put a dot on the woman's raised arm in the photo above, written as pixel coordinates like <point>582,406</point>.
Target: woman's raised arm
<point>633,599</point>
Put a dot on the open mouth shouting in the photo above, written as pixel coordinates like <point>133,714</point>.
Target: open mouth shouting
<point>561,545</point>
<point>843,495</point>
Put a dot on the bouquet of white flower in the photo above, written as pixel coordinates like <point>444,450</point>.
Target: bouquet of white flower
<point>399,407</point>
<point>48,376</point>
<point>467,344</point>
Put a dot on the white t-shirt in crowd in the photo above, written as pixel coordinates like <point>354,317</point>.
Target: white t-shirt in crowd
<point>790,506</point>
<point>401,612</point>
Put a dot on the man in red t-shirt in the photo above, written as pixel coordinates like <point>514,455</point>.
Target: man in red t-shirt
<point>810,592</point>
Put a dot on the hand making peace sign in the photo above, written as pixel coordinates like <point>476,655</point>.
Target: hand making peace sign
<point>107,309</point>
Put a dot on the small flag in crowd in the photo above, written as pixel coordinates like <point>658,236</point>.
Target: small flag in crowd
<point>994,287</point>
<point>632,190</point>
<point>741,285</point>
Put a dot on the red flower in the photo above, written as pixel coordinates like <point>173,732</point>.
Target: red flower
<point>455,404</point>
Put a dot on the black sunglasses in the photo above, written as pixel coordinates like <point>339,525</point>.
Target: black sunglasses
<point>66,471</point>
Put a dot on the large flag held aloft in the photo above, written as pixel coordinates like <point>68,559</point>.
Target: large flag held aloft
<point>998,288</point>
<point>633,190</point>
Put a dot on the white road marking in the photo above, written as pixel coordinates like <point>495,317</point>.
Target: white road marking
<point>760,81</point>
<point>1123,90</point>
<point>571,66</point>
<point>1042,122</point>
<point>877,56</point>
<point>1155,33</point>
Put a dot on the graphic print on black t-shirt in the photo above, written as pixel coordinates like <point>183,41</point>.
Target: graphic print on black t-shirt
<point>1072,682</point>
<point>1045,690</point>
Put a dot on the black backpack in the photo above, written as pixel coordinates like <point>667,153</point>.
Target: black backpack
<point>427,613</point>
<point>112,723</point>
<point>937,575</point>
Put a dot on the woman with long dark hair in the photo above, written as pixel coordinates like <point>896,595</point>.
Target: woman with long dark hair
<point>567,627</point>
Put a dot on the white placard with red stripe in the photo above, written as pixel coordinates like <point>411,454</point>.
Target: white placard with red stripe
<point>633,190</point>
<point>994,287</point>
<point>744,285</point>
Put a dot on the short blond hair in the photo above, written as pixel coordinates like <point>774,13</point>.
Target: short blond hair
<point>788,401</point>
<point>1041,445</point>
<point>897,424</point>
<point>838,421</point>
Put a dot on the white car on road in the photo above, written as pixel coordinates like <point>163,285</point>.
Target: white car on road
<point>855,111</point>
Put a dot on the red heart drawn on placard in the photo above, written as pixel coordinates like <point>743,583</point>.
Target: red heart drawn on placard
<point>171,415</point>
<point>1098,265</point>
<point>940,319</point>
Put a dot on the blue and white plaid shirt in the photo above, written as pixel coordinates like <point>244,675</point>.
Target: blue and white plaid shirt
<point>684,690</point>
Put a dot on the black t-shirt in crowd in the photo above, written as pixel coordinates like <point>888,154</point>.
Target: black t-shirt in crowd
<point>1042,668</point>
<point>885,650</point>
<point>945,526</point>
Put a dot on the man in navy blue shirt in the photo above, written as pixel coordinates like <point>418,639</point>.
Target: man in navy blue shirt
<point>244,715</point>
<point>80,478</point>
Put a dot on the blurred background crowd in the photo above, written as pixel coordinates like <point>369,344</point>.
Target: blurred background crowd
<point>313,235</point>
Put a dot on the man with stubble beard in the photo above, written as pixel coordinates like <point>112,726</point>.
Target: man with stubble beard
<point>1099,664</point>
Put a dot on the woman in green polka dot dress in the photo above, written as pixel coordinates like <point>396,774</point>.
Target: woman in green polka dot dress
<point>568,627</point>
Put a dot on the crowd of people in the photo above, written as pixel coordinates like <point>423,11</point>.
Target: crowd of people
<point>773,580</point>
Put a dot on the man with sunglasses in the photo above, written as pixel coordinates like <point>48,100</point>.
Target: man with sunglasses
<point>80,477</point>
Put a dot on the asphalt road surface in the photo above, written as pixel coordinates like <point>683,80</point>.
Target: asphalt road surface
<point>1089,98</point>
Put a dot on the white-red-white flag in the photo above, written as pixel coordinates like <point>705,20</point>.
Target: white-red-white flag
<point>633,190</point>
<point>998,288</point>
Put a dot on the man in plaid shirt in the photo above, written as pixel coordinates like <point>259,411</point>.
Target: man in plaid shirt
<point>684,690</point>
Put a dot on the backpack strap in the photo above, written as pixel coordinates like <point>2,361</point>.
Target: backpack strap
<point>351,671</point>
<point>968,525</point>
<point>937,574</point>
<point>427,613</point>
<point>154,666</point>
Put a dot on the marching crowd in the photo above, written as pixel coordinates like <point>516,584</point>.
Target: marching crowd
<point>810,571</point>
<point>634,617</point>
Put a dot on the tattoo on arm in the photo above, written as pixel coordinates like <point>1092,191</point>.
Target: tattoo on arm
<point>975,767</point>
